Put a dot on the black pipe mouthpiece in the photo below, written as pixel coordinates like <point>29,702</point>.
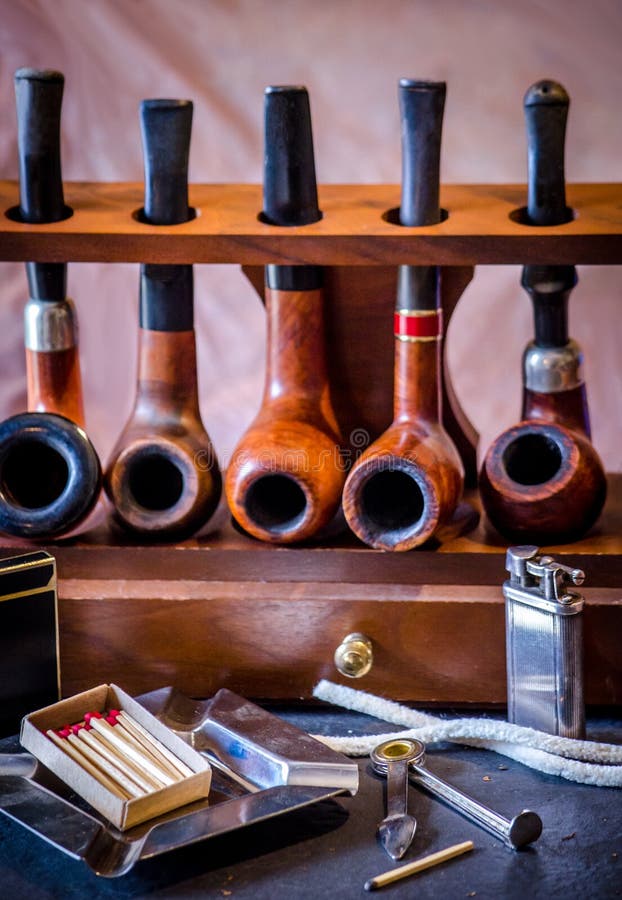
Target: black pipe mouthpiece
<point>546,111</point>
<point>289,188</point>
<point>166,126</point>
<point>38,97</point>
<point>549,287</point>
<point>166,297</point>
<point>421,109</point>
<point>294,278</point>
<point>47,281</point>
<point>418,288</point>
<point>166,291</point>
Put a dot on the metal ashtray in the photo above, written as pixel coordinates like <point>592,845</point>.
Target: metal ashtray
<point>262,767</point>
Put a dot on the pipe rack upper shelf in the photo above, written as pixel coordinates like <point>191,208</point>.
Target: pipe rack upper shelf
<point>481,228</point>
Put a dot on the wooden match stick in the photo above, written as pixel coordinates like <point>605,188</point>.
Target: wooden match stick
<point>111,769</point>
<point>142,781</point>
<point>140,731</point>
<point>111,736</point>
<point>82,761</point>
<point>418,865</point>
<point>140,747</point>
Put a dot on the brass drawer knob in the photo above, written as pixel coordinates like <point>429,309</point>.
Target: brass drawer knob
<point>354,656</point>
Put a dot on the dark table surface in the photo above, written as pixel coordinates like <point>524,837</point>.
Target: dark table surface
<point>330,849</point>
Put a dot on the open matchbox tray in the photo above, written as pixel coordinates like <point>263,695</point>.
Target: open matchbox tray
<point>261,767</point>
<point>122,813</point>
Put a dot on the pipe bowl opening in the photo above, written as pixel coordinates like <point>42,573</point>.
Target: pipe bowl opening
<point>155,482</point>
<point>34,474</point>
<point>50,475</point>
<point>532,459</point>
<point>392,504</point>
<point>275,503</point>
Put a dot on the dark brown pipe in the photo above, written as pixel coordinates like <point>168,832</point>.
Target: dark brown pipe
<point>286,475</point>
<point>163,476</point>
<point>410,480</point>
<point>50,476</point>
<point>542,481</point>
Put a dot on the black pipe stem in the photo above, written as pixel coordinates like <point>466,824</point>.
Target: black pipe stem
<point>166,291</point>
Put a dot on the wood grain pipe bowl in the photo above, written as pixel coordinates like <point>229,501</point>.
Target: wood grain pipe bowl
<point>50,474</point>
<point>286,474</point>
<point>542,480</point>
<point>163,476</point>
<point>409,481</point>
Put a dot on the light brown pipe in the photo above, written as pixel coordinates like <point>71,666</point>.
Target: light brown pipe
<point>162,476</point>
<point>410,480</point>
<point>286,474</point>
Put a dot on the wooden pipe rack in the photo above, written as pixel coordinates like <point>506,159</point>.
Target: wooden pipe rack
<point>223,610</point>
<point>355,230</point>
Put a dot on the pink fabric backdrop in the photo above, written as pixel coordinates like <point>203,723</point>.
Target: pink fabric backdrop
<point>350,54</point>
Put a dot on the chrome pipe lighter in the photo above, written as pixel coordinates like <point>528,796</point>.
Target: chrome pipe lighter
<point>544,643</point>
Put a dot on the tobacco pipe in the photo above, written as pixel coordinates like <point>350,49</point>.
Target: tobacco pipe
<point>542,480</point>
<point>50,475</point>
<point>286,474</point>
<point>409,481</point>
<point>163,476</point>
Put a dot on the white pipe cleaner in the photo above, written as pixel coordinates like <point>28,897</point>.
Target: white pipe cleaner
<point>586,762</point>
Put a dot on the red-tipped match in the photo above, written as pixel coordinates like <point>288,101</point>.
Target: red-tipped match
<point>92,715</point>
<point>114,712</point>
<point>112,720</point>
<point>76,728</point>
<point>64,732</point>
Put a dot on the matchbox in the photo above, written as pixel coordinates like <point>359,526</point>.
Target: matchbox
<point>121,811</point>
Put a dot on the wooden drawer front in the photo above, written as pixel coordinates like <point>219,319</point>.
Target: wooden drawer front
<point>431,644</point>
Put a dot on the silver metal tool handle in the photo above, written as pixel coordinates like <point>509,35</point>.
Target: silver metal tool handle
<point>523,829</point>
<point>397,788</point>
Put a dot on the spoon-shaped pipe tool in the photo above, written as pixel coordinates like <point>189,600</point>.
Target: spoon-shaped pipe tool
<point>523,829</point>
<point>397,829</point>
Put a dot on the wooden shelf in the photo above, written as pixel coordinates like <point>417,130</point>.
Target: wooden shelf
<point>226,610</point>
<point>352,232</point>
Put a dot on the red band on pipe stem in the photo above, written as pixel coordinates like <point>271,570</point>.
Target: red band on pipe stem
<point>426,325</point>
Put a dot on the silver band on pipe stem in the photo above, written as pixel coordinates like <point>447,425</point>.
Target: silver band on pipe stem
<point>50,325</point>
<point>549,370</point>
